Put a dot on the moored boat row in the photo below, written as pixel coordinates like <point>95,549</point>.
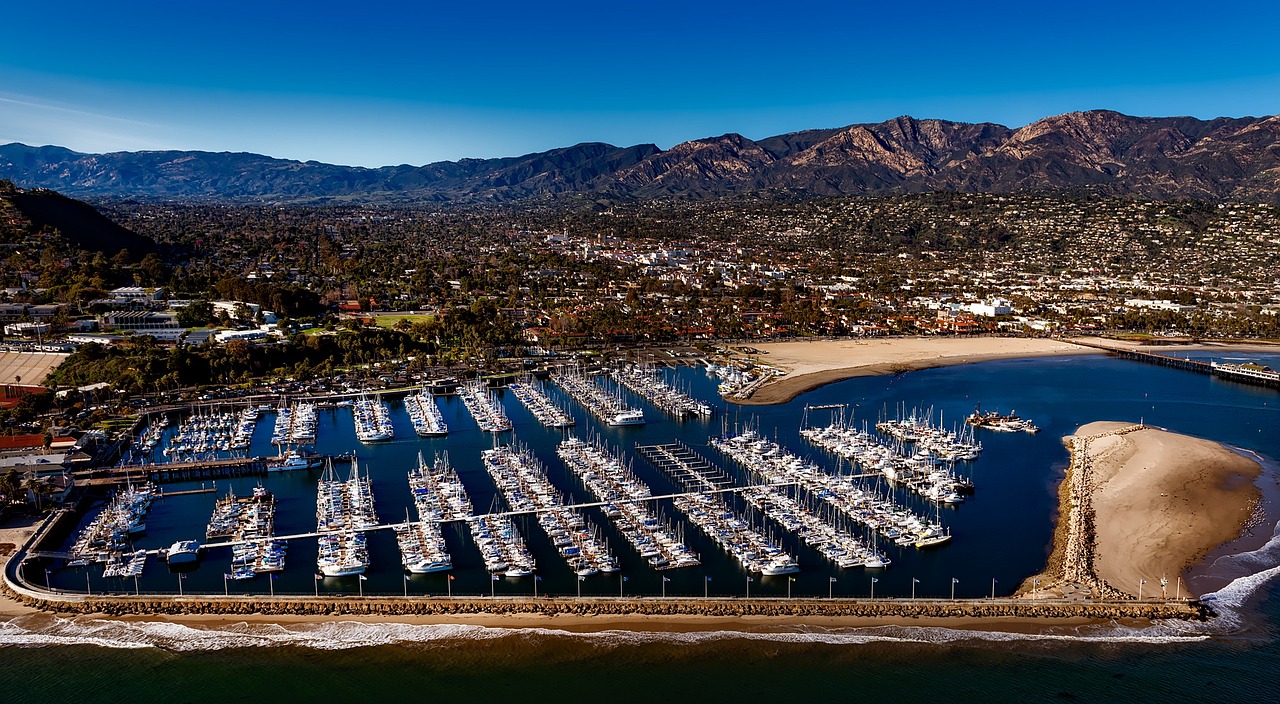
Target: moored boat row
<point>746,543</point>
<point>373,420</point>
<point>530,394</point>
<point>484,407</point>
<point>611,481</point>
<point>648,382</point>
<point>523,483</point>
<point>773,464</point>
<point>425,415</point>
<point>609,408</point>
<point>344,509</point>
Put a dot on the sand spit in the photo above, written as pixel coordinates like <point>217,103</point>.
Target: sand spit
<point>1142,504</point>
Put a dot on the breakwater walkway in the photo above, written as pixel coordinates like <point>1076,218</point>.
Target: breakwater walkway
<point>125,605</point>
<point>1075,563</point>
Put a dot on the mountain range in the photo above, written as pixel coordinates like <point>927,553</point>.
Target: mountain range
<point>1098,151</point>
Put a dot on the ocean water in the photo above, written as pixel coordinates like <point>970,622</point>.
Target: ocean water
<point>1001,533</point>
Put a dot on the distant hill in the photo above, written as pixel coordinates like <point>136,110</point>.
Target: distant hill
<point>79,222</point>
<point>1099,151</point>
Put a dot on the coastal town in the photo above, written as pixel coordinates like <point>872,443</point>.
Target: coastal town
<point>167,375</point>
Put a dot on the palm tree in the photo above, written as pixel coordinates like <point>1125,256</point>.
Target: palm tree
<point>36,487</point>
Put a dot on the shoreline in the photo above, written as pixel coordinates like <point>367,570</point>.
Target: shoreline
<point>810,365</point>
<point>1139,505</point>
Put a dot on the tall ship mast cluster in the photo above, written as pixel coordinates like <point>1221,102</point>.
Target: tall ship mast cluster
<point>373,420</point>
<point>108,533</point>
<point>648,382</point>
<point>344,510</point>
<point>483,405</point>
<point>753,550</point>
<point>773,464</point>
<point>500,543</point>
<point>523,483</point>
<point>151,436</point>
<point>425,415</point>
<point>531,395</point>
<point>295,425</point>
<point>249,521</point>
<point>918,428</point>
<point>438,495</point>
<point>610,481</point>
<point>204,435</point>
<point>609,408</point>
<point>918,472</point>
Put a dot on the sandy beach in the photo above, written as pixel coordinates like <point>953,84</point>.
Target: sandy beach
<point>811,364</point>
<point>1145,504</point>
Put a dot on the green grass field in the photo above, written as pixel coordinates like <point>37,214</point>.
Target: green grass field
<point>390,321</point>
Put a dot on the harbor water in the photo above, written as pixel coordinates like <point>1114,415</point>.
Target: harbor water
<point>1001,535</point>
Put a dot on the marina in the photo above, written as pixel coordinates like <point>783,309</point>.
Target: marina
<point>295,425</point>
<point>919,472</point>
<point>484,407</point>
<point>110,533</point>
<point>344,510</point>
<point>248,521</point>
<point>208,435</point>
<point>770,462</point>
<point>649,383</point>
<point>931,441</point>
<point>608,407</point>
<point>626,500</point>
<point>530,394</point>
<point>705,506</point>
<point>438,496</point>
<point>523,482</point>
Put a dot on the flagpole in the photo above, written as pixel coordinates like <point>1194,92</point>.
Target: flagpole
<point>135,584</point>
<point>271,582</point>
<point>449,583</point>
<point>914,581</point>
<point>748,586</point>
<point>621,579</point>
<point>89,590</point>
<point>535,586</point>
<point>789,581</point>
<point>705,589</point>
<point>873,588</point>
<point>953,588</point>
<point>492,579</point>
<point>579,586</point>
<point>360,583</point>
<point>179,584</point>
<point>316,583</point>
<point>406,586</point>
<point>225,590</point>
<point>993,587</point>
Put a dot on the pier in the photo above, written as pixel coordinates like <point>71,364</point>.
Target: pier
<point>177,472</point>
<point>1186,364</point>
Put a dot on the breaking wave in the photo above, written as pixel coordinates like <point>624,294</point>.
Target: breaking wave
<point>40,630</point>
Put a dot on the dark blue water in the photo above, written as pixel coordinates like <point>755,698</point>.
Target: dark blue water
<point>1002,532</point>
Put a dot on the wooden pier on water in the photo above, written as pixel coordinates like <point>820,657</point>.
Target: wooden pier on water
<point>181,472</point>
<point>1184,363</point>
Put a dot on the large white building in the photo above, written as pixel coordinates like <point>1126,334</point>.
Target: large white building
<point>991,309</point>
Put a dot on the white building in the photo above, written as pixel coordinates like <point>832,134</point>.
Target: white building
<point>991,309</point>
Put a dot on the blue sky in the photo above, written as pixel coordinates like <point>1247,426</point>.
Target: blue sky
<point>377,83</point>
